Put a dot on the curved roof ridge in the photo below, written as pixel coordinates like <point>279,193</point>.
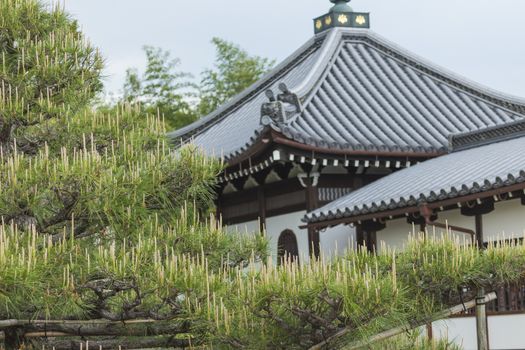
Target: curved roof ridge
<point>325,40</point>
<point>437,71</point>
<point>492,134</point>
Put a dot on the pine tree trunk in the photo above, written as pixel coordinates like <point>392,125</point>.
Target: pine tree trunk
<point>14,338</point>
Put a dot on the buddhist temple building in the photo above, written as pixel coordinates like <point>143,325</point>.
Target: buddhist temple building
<point>353,140</point>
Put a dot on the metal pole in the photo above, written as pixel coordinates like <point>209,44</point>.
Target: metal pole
<point>481,321</point>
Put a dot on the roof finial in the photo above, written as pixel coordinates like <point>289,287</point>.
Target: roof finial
<point>340,6</point>
<point>341,15</point>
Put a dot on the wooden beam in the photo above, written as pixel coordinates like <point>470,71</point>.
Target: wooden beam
<point>360,236</point>
<point>485,207</point>
<point>283,140</point>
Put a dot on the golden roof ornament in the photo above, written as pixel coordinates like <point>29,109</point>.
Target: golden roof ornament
<point>341,15</point>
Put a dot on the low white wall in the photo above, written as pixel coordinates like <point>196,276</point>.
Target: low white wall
<point>461,331</point>
<point>506,332</point>
<point>395,235</point>
<point>507,220</point>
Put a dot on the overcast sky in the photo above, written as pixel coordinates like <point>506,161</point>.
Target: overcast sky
<point>480,39</point>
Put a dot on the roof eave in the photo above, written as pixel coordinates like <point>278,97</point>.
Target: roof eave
<point>286,141</point>
<point>412,209</point>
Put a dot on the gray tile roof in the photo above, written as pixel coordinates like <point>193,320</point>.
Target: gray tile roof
<point>360,92</point>
<point>234,126</point>
<point>456,174</point>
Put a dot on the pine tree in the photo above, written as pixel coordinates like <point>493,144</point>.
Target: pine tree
<point>106,235</point>
<point>49,71</point>
<point>100,219</point>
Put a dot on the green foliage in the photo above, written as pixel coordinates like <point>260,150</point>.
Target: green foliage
<point>45,280</point>
<point>101,219</point>
<point>231,305</point>
<point>444,271</point>
<point>162,88</point>
<point>234,71</point>
<point>295,307</point>
<point>415,341</point>
<point>48,71</point>
<point>166,90</point>
<point>114,210</point>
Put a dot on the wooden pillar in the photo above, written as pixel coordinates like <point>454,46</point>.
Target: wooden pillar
<point>481,321</point>
<point>367,234</point>
<point>218,207</point>
<point>262,209</point>
<point>312,202</point>
<point>360,236</point>
<point>371,241</point>
<point>479,231</point>
<point>430,331</point>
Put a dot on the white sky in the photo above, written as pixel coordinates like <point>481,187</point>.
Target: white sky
<point>480,39</point>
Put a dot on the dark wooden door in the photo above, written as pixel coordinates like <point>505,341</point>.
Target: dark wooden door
<point>287,247</point>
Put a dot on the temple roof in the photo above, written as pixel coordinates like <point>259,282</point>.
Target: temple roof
<point>356,91</point>
<point>473,168</point>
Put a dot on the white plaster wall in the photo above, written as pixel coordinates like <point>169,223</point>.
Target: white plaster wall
<point>334,241</point>
<point>395,235</point>
<point>277,224</point>
<point>506,332</point>
<point>461,331</point>
<point>337,240</point>
<point>507,220</point>
<point>397,232</point>
<point>454,217</point>
<point>251,227</point>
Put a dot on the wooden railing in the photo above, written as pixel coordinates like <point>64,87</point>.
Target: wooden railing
<point>510,300</point>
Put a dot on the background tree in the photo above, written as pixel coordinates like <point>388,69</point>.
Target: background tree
<point>49,72</point>
<point>234,71</point>
<point>162,88</point>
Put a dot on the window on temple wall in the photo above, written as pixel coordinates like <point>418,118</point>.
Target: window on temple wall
<point>287,247</point>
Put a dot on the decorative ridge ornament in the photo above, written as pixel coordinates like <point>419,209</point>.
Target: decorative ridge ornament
<point>340,6</point>
<point>341,15</point>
